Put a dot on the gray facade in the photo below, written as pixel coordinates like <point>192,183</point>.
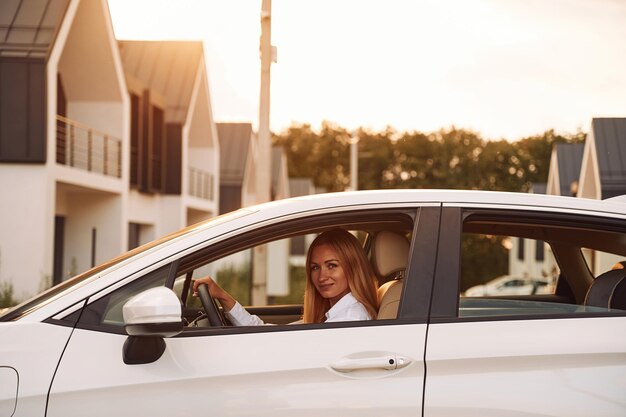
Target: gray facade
<point>570,158</point>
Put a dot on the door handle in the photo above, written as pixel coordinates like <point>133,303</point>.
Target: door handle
<point>388,362</point>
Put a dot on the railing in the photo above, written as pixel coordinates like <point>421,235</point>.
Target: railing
<point>85,148</point>
<point>200,184</point>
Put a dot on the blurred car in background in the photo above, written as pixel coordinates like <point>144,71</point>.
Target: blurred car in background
<point>511,285</point>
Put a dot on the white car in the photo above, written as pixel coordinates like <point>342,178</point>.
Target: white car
<point>127,339</point>
<point>510,285</point>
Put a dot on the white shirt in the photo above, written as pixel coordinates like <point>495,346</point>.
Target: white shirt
<point>239,316</point>
<point>346,309</point>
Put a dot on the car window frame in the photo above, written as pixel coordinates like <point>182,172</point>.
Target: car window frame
<point>74,317</point>
<point>408,313</point>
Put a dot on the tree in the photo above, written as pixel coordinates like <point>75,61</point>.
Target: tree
<point>319,156</point>
<point>375,155</point>
<point>536,151</point>
<point>324,156</point>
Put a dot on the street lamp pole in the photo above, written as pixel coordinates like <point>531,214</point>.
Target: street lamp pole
<point>354,162</point>
<point>354,165</point>
<point>263,167</point>
<point>263,174</point>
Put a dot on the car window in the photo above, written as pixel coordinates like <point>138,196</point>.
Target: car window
<point>600,261</point>
<point>507,272</point>
<point>283,283</point>
<point>107,311</point>
<point>494,265</point>
<point>277,295</point>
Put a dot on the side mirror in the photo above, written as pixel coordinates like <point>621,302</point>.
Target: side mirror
<point>149,317</point>
<point>154,312</point>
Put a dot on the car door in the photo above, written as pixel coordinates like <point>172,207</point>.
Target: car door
<point>534,355</point>
<point>29,354</point>
<point>353,368</point>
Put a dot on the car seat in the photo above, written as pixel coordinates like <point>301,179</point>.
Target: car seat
<point>390,254</point>
<point>608,290</point>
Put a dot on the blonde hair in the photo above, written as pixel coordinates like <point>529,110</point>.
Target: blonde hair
<point>356,267</point>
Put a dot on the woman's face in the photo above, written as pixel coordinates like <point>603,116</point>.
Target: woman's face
<point>327,274</point>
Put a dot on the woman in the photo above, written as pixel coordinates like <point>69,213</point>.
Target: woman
<point>340,285</point>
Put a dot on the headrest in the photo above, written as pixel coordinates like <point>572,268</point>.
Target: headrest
<point>608,290</point>
<point>390,253</point>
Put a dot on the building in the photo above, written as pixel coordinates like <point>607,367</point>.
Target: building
<point>64,132</point>
<point>564,172</point>
<point>603,174</point>
<point>174,146</point>
<point>82,181</point>
<point>237,166</point>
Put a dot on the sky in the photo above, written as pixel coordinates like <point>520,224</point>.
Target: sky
<point>502,68</point>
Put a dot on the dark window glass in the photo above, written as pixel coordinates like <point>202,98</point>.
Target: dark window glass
<point>134,233</point>
<point>135,129</point>
<point>158,129</point>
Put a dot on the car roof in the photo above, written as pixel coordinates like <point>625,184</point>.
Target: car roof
<point>615,205</point>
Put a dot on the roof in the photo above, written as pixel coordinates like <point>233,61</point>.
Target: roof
<point>569,161</point>
<point>610,142</point>
<point>234,147</point>
<point>167,67</point>
<point>28,28</point>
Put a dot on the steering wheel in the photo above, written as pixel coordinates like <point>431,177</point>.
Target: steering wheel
<point>214,314</point>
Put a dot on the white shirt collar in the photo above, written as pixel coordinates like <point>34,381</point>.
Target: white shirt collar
<point>341,307</point>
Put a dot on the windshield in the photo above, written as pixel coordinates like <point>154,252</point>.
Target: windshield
<point>44,298</point>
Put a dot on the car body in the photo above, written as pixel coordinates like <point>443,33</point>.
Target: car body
<point>510,285</point>
<point>113,342</point>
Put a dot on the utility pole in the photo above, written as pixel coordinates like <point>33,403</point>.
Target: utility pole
<point>263,174</point>
<point>263,163</point>
<point>354,165</point>
<point>354,162</point>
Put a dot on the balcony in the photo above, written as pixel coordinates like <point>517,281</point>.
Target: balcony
<point>200,184</point>
<point>82,147</point>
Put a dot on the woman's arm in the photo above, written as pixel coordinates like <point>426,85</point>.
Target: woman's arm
<point>226,300</point>
<point>238,315</point>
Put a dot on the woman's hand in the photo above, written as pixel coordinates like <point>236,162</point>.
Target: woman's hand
<point>217,292</point>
